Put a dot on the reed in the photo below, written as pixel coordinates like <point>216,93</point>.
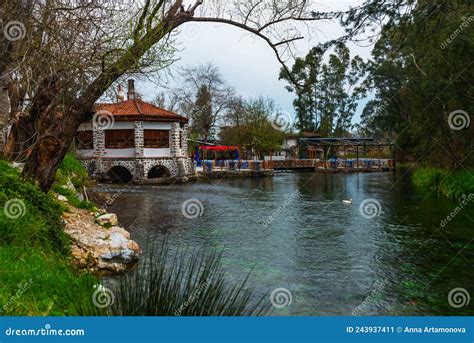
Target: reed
<point>183,283</point>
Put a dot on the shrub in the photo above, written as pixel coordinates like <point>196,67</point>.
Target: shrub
<point>428,177</point>
<point>458,184</point>
<point>454,185</point>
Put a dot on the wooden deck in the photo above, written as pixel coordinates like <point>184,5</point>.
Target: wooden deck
<point>344,166</point>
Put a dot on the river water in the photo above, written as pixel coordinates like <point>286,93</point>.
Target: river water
<point>395,258</point>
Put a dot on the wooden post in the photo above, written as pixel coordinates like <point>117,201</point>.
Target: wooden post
<point>345,157</point>
<point>357,156</point>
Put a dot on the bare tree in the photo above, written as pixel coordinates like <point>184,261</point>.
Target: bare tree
<point>203,81</point>
<point>143,39</point>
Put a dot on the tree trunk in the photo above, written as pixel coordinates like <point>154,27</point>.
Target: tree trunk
<point>56,131</point>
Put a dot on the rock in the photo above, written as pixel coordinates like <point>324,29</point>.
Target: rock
<point>18,166</point>
<point>62,198</point>
<point>120,230</point>
<point>69,185</point>
<point>101,250</point>
<point>117,240</point>
<point>109,218</point>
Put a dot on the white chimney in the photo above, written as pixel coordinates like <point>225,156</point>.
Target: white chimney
<point>120,93</point>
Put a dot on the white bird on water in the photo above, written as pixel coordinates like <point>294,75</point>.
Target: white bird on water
<point>347,201</point>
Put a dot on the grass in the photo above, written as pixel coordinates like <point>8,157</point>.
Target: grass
<point>37,277</point>
<point>183,283</point>
<point>28,217</point>
<point>43,283</point>
<point>453,185</point>
<point>72,172</point>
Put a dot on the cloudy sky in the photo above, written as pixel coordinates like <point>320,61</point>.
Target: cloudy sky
<point>247,62</point>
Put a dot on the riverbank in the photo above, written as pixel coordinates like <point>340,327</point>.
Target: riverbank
<point>37,275</point>
<point>51,245</point>
<point>454,185</point>
<point>53,252</point>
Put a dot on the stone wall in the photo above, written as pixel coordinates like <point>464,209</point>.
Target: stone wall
<point>178,164</point>
<point>139,139</point>
<point>175,140</point>
<point>98,137</point>
<point>139,167</point>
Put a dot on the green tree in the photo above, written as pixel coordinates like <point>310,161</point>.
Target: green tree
<point>251,127</point>
<point>326,93</point>
<point>420,70</point>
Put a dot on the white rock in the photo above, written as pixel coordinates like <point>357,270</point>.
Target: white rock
<point>117,240</point>
<point>120,230</point>
<point>62,198</point>
<point>109,218</point>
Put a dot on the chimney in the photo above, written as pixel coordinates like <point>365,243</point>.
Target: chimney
<point>120,93</point>
<point>131,90</point>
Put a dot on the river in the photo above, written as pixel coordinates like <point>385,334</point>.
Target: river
<point>395,258</point>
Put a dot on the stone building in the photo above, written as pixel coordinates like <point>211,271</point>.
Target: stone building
<point>132,140</point>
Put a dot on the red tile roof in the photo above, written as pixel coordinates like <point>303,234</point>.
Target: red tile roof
<point>137,108</point>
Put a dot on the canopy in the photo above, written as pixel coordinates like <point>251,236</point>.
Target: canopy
<point>218,147</point>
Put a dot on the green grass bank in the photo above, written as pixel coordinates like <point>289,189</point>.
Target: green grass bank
<point>452,184</point>
<point>36,273</point>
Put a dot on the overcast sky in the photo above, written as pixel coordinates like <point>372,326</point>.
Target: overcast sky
<point>247,62</point>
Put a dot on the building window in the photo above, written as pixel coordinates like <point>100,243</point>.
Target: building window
<point>84,140</point>
<point>119,139</point>
<point>156,138</point>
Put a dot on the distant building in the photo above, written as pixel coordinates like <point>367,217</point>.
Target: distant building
<point>288,150</point>
<point>134,140</point>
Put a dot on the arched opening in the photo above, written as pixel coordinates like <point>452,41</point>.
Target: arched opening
<point>120,174</point>
<point>158,172</point>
